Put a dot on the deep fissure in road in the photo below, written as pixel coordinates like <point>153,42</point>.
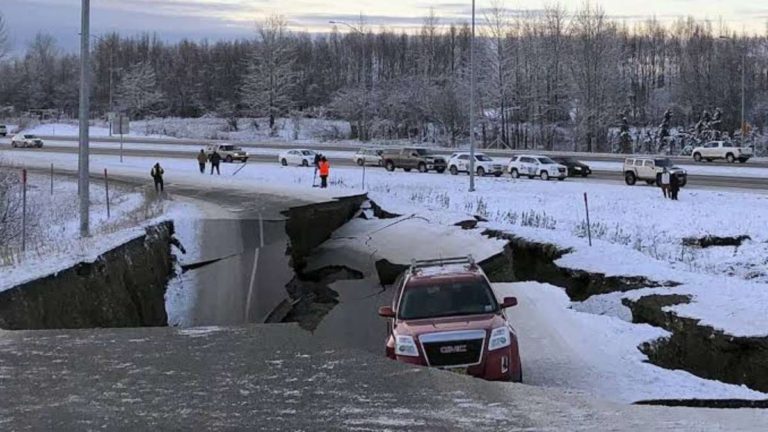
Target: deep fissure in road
<point>693,347</point>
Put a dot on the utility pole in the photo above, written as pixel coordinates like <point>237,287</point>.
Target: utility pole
<point>83,181</point>
<point>472,105</point>
<point>743,96</point>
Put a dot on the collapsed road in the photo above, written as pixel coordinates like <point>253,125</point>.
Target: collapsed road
<point>277,377</point>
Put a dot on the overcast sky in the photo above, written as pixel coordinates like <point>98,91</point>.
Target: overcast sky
<point>223,19</point>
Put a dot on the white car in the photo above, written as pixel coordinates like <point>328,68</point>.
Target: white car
<point>484,165</point>
<point>368,157</point>
<point>300,157</point>
<point>536,166</point>
<point>26,140</point>
<point>721,150</point>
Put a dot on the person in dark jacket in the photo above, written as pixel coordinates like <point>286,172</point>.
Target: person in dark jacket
<point>215,161</point>
<point>157,175</point>
<point>674,186</point>
<point>202,159</point>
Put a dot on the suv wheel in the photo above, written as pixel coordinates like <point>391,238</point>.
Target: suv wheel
<point>422,167</point>
<point>453,170</point>
<point>729,157</point>
<point>283,162</point>
<point>390,166</point>
<point>440,170</point>
<point>697,157</point>
<point>360,162</point>
<point>544,175</point>
<point>480,171</point>
<point>304,163</point>
<point>228,159</point>
<point>630,178</point>
<point>513,173</point>
<point>407,169</point>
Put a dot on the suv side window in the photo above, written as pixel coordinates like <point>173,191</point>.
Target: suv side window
<point>638,162</point>
<point>727,144</point>
<point>464,157</point>
<point>648,163</point>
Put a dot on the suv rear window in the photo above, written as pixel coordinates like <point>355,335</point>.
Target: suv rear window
<point>441,299</point>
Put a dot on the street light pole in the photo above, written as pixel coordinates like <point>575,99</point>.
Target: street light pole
<point>743,96</point>
<point>472,105</point>
<point>83,180</point>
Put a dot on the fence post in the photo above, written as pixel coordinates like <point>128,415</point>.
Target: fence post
<point>106,187</point>
<point>51,179</point>
<point>589,226</point>
<point>363,175</point>
<point>23,209</point>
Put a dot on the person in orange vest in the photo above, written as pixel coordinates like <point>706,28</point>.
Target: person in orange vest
<point>325,169</point>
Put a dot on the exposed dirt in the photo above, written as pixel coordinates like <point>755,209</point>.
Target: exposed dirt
<point>123,287</point>
<point>710,241</point>
<point>311,296</point>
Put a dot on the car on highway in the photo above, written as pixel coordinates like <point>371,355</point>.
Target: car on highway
<point>649,169</point>
<point>366,156</point>
<point>26,141</point>
<point>3,130</point>
<point>536,166</point>
<point>445,314</point>
<point>575,167</point>
<point>484,165</point>
<point>409,158</point>
<point>300,157</point>
<point>228,152</point>
<point>722,150</point>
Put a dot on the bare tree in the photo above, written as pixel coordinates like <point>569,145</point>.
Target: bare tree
<point>595,74</point>
<point>137,92</point>
<point>270,79</point>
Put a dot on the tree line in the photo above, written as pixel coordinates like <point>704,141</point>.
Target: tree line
<point>546,79</point>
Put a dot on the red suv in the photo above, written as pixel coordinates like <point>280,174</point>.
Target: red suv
<point>445,314</point>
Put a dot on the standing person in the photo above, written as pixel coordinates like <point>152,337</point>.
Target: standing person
<point>157,175</point>
<point>325,169</point>
<point>674,186</point>
<point>202,159</point>
<point>215,161</point>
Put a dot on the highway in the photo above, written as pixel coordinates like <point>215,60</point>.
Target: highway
<point>694,180</point>
<point>603,157</point>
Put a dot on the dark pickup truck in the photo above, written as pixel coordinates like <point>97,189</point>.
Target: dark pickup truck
<point>410,158</point>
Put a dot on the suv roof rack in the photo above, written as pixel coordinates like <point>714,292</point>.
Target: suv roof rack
<point>441,262</point>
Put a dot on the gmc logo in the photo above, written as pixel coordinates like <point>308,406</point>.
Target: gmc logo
<point>453,349</point>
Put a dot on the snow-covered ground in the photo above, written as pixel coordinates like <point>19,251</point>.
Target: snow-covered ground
<point>635,232</point>
<point>53,239</point>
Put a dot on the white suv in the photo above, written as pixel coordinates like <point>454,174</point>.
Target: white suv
<point>649,170</point>
<point>228,152</point>
<point>536,166</point>
<point>484,165</point>
<point>26,140</point>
